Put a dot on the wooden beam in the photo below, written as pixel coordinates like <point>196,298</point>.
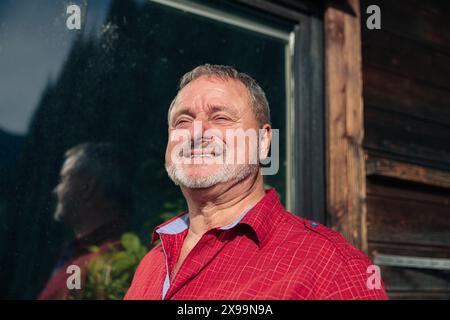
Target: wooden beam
<point>408,172</point>
<point>346,185</point>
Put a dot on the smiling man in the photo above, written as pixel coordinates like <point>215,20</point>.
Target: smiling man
<point>236,241</point>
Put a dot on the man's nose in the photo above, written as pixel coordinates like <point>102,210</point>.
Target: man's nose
<point>55,190</point>
<point>197,131</point>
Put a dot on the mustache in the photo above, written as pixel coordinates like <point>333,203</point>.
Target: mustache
<point>191,147</point>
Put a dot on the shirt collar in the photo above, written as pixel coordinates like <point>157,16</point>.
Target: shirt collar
<point>264,216</point>
<point>261,218</point>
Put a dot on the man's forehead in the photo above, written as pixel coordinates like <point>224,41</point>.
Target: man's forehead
<point>212,87</point>
<point>212,94</point>
<point>69,164</point>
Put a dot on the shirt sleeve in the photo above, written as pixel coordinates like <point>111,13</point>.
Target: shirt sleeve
<point>356,279</point>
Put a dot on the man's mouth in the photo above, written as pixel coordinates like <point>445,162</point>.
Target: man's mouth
<point>201,153</point>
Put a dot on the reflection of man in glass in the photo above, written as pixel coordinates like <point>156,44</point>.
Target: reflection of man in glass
<point>237,241</point>
<point>93,200</point>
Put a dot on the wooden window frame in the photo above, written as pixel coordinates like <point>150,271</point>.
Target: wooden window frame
<point>306,178</point>
<point>329,177</point>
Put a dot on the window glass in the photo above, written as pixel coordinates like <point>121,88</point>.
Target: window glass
<point>109,85</point>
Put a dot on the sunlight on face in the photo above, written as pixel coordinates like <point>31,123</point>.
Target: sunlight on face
<point>208,109</point>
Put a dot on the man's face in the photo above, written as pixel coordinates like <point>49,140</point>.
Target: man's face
<point>209,109</point>
<point>68,192</point>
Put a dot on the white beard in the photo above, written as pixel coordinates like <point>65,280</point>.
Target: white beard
<point>225,173</point>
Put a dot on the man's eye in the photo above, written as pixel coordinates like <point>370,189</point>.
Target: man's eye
<point>181,121</point>
<point>221,118</point>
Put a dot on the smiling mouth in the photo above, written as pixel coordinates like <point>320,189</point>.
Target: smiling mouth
<point>201,153</point>
<point>202,156</point>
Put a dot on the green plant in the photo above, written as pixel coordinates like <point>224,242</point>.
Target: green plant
<point>109,273</point>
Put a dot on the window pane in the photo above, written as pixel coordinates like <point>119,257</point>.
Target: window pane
<point>111,82</point>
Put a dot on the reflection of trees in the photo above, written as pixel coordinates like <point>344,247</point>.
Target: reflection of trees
<point>104,93</point>
<point>10,147</point>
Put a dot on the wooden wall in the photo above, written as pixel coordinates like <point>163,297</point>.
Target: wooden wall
<point>344,123</point>
<point>406,94</point>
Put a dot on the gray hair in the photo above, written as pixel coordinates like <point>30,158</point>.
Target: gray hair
<point>108,165</point>
<point>256,94</point>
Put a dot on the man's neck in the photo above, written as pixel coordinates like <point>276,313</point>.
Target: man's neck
<point>82,231</point>
<point>219,205</point>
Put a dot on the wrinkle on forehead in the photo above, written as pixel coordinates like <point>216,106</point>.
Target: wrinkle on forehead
<point>205,92</point>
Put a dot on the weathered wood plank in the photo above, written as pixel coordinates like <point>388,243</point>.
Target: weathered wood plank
<point>401,94</point>
<point>408,216</point>
<point>407,138</point>
<point>397,189</point>
<point>344,118</point>
<point>423,21</point>
<point>406,58</point>
<point>411,222</point>
<point>440,252</point>
<point>408,172</point>
<point>407,283</point>
<point>419,295</point>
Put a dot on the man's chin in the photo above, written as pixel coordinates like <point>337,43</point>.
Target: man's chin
<point>196,178</point>
<point>199,175</point>
<point>57,217</point>
<point>60,216</point>
<point>199,182</point>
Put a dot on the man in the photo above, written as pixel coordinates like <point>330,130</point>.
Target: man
<point>236,241</point>
<point>93,200</point>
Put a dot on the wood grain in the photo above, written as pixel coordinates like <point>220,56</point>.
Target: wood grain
<point>404,95</point>
<point>423,21</point>
<point>408,172</point>
<point>407,138</point>
<point>344,123</point>
<point>406,57</point>
<point>411,216</point>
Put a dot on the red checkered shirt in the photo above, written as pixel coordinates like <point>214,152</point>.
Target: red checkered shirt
<point>266,253</point>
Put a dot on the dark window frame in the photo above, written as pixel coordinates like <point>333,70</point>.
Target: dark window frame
<point>307,181</point>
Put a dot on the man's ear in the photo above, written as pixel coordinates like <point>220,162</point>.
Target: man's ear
<point>88,189</point>
<point>265,136</point>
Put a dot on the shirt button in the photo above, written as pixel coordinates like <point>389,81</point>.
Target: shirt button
<point>314,224</point>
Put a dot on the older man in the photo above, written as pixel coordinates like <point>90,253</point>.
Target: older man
<point>94,198</point>
<point>236,241</point>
